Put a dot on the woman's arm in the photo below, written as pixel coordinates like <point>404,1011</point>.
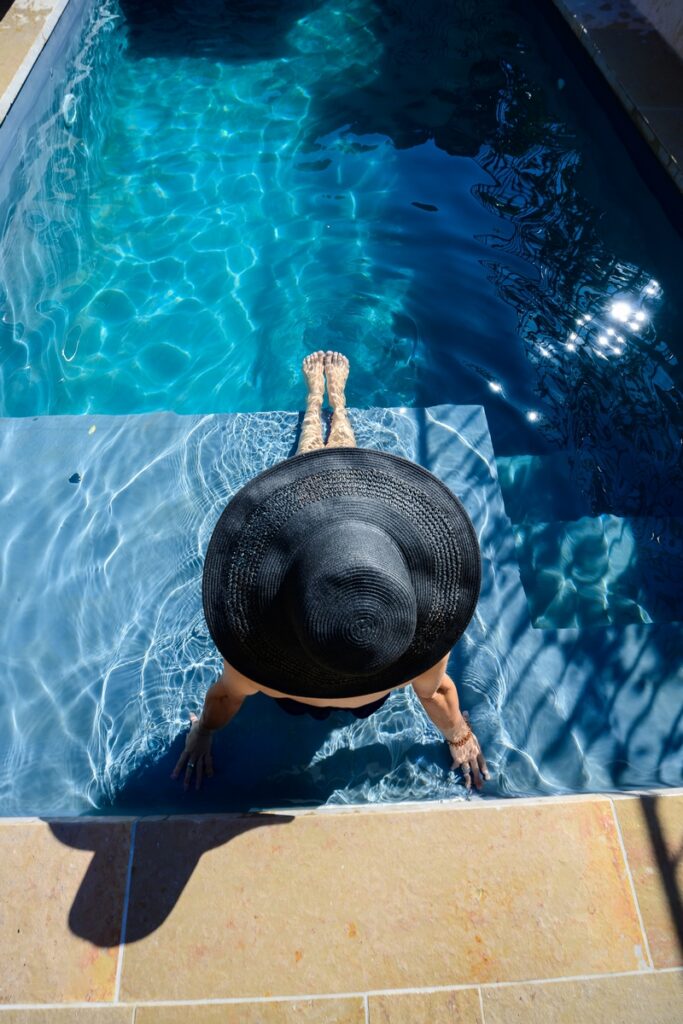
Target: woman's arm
<point>443,707</point>
<point>221,703</point>
<point>224,699</point>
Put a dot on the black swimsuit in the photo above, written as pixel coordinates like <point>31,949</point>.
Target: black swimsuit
<point>295,707</point>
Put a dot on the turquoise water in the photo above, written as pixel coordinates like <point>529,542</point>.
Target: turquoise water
<point>195,236</point>
<point>434,190</point>
<point>217,191</point>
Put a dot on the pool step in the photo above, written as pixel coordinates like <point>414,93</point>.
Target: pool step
<point>558,487</point>
<point>601,571</point>
<point>540,488</point>
<point>105,520</point>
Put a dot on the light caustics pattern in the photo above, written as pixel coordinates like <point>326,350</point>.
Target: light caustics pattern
<point>179,225</point>
<point>104,645</point>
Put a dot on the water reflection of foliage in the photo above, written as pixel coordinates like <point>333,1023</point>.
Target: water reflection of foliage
<point>616,414</point>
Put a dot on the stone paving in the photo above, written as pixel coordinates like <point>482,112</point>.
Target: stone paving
<point>524,910</point>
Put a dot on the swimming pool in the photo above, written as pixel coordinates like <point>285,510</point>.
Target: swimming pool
<point>437,193</point>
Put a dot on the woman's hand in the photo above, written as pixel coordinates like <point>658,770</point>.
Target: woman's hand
<point>197,753</point>
<point>469,758</point>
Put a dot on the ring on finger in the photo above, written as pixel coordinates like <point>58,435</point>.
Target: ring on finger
<point>190,764</point>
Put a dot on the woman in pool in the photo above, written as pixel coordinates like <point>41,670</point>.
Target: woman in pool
<point>334,578</point>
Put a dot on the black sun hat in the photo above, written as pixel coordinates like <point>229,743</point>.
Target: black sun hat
<point>340,572</point>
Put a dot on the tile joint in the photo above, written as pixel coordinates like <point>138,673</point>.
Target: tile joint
<point>322,996</point>
<point>634,894</point>
<point>124,915</point>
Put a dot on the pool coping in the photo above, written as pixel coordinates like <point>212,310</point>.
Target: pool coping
<point>472,802</point>
<point>599,27</point>
<point>44,28</point>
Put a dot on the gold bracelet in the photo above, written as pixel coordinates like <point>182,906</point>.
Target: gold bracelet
<point>461,741</point>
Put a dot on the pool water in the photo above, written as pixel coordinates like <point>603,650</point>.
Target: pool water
<point>218,190</point>
<point>432,189</point>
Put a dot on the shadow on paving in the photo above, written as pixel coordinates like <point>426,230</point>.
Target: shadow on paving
<point>667,863</point>
<point>159,875</point>
<point>161,870</point>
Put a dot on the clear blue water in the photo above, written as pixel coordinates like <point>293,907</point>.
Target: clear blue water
<point>432,189</point>
<point>219,189</point>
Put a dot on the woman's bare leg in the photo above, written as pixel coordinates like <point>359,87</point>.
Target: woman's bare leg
<point>336,372</point>
<point>312,427</point>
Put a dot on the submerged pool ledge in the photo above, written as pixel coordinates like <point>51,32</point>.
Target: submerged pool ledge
<point>561,909</point>
<point>104,648</point>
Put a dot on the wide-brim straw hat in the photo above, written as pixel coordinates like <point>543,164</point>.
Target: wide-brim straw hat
<point>340,572</point>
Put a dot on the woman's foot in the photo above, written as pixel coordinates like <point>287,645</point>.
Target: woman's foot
<point>314,372</point>
<point>337,372</point>
<point>312,427</point>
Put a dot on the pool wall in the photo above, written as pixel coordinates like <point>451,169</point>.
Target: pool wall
<point>643,70</point>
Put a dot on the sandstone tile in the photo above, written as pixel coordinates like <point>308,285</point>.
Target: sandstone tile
<point>294,1011</point>
<point>655,998</point>
<point>652,828</point>
<point>266,905</point>
<point>460,1006</point>
<point>19,29</point>
<point>61,908</point>
<point>71,1015</point>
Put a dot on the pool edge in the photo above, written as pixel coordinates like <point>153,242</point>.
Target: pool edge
<point>605,47</point>
<point>403,806</point>
<point>43,30</point>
